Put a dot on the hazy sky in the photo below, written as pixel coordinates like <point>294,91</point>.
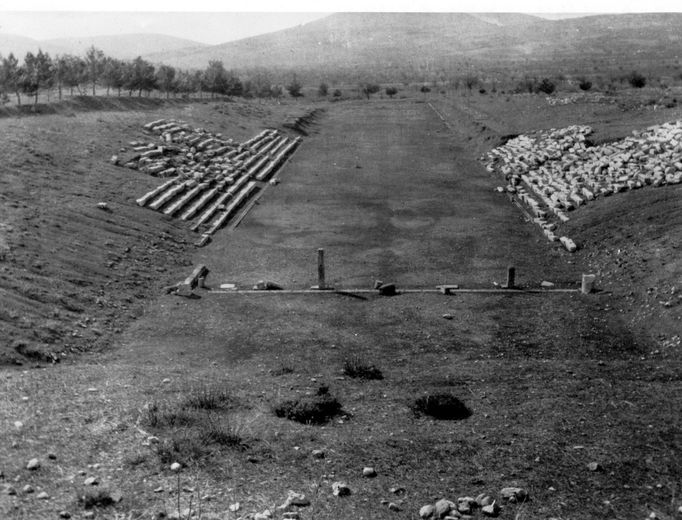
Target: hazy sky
<point>214,21</point>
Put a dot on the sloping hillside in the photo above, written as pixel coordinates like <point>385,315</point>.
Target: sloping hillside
<point>398,45</point>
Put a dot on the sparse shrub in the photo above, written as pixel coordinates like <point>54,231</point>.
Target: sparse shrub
<point>482,90</point>
<point>134,459</point>
<point>207,398</point>
<point>546,86</point>
<point>178,417</point>
<point>282,371</point>
<point>323,90</point>
<point>525,85</point>
<point>95,497</point>
<point>183,446</point>
<point>356,368</point>
<point>391,91</point>
<point>636,79</point>
<point>221,434</point>
<point>317,409</point>
<point>584,84</point>
<point>370,88</point>
<point>424,89</point>
<point>294,88</point>
<point>336,93</point>
<point>441,406</point>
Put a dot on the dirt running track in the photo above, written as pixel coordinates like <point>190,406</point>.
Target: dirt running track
<point>390,193</point>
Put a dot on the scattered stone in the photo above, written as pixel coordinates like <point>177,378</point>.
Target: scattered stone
<point>265,515</point>
<point>340,489</point>
<point>594,466</point>
<point>104,206</point>
<point>152,439</point>
<point>318,454</point>
<point>369,472</point>
<point>491,509</point>
<point>180,515</point>
<point>89,514</point>
<point>394,507</point>
<point>33,464</point>
<point>159,490</point>
<point>483,500</point>
<point>295,499</point>
<point>234,507</point>
<point>291,515</point>
<point>28,488</point>
<point>116,496</point>
<point>91,481</point>
<point>546,284</point>
<point>52,456</point>
<point>514,494</point>
<point>8,489</point>
<point>443,507</point>
<point>448,316</point>
<point>398,490</point>
<point>64,514</point>
<point>465,507</point>
<point>43,495</point>
<point>114,160</point>
<point>18,425</point>
<point>175,466</point>
<point>427,511</point>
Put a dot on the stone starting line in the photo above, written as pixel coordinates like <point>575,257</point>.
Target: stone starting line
<point>197,279</point>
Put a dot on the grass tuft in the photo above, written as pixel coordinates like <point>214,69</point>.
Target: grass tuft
<point>357,368</point>
<point>441,406</point>
<point>317,409</point>
<point>207,398</point>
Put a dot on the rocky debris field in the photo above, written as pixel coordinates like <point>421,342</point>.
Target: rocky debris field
<point>212,177</point>
<point>557,171</point>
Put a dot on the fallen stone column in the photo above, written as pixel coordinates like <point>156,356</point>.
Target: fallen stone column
<point>169,194</point>
<point>182,201</point>
<point>200,203</point>
<point>150,195</point>
<point>211,210</point>
<point>232,207</point>
<point>568,244</point>
<point>254,169</point>
<point>256,138</point>
<point>149,126</point>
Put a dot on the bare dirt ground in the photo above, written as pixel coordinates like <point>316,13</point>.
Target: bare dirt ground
<point>554,381</point>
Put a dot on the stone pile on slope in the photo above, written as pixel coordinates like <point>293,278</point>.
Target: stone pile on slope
<point>212,178</point>
<point>556,171</point>
<point>182,149</point>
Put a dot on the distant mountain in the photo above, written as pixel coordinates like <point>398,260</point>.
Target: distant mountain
<point>400,45</point>
<point>127,46</point>
<point>20,45</point>
<point>124,46</point>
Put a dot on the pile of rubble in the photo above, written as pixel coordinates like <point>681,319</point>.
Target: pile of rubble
<point>465,506</point>
<point>212,177</point>
<point>556,171</point>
